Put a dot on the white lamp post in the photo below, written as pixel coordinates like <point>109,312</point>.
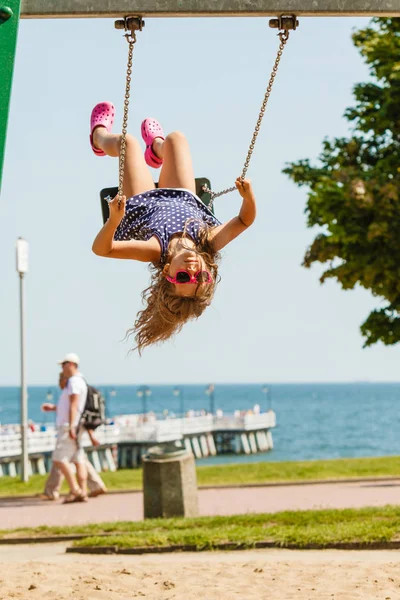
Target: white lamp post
<point>210,392</point>
<point>22,268</point>
<point>177,392</point>
<point>144,392</point>
<point>265,390</point>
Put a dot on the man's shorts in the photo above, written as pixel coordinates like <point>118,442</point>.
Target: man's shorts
<point>67,449</point>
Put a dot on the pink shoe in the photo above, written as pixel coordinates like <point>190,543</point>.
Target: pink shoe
<point>151,129</point>
<point>102,116</point>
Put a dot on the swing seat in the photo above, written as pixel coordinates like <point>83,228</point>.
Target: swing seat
<point>113,191</point>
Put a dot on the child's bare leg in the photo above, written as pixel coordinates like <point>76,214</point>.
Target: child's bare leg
<point>137,176</point>
<point>177,170</point>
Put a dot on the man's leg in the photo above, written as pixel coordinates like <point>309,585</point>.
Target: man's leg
<point>65,452</point>
<point>81,474</point>
<point>94,481</point>
<point>69,476</point>
<point>53,483</point>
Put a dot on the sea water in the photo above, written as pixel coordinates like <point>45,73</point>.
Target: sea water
<point>314,421</point>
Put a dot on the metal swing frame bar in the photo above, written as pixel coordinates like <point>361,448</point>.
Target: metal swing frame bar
<point>70,9</point>
<point>10,14</point>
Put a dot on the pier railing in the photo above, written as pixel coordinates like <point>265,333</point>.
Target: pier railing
<point>248,422</point>
<point>141,430</point>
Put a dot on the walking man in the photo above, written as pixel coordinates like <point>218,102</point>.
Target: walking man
<point>68,448</point>
<point>95,483</point>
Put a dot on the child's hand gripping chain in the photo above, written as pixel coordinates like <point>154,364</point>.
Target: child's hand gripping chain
<point>117,210</point>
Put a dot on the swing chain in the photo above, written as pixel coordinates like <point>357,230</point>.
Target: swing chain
<point>130,26</point>
<point>283,37</point>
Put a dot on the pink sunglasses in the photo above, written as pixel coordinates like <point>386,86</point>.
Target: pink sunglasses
<point>186,277</point>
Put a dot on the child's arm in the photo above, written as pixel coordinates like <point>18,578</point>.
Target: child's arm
<point>105,245</point>
<point>225,233</point>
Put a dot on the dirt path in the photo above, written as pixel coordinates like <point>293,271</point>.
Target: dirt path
<point>125,507</point>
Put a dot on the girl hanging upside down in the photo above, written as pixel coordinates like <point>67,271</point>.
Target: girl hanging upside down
<point>168,226</point>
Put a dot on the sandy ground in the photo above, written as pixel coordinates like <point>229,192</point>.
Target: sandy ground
<point>31,512</point>
<point>46,572</point>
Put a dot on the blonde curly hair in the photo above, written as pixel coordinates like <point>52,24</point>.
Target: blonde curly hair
<point>165,313</point>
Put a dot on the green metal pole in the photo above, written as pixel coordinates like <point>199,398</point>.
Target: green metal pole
<point>9,19</point>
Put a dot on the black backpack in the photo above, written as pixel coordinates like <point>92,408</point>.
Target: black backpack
<point>94,413</point>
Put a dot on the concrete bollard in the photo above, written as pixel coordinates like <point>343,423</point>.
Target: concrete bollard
<point>169,483</point>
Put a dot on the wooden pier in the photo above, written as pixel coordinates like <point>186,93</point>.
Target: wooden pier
<point>123,443</point>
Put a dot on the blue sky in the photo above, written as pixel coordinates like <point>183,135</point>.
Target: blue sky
<point>271,320</point>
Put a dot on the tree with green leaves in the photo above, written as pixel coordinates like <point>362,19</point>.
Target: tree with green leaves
<point>355,189</point>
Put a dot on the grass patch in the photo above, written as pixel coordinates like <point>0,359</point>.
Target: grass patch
<point>267,472</point>
<point>236,474</point>
<point>301,528</point>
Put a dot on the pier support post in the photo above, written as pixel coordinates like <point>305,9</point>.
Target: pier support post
<point>188,445</point>
<point>103,459</point>
<point>41,467</point>
<point>245,443</point>
<point>252,443</point>
<point>170,486</point>
<point>237,444</point>
<point>203,445</point>
<point>110,460</point>
<point>196,447</point>
<point>123,459</point>
<point>270,440</point>
<point>135,456</point>
<point>262,442</point>
<point>96,460</point>
<point>211,444</point>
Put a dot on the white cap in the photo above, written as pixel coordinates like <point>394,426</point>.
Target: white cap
<point>70,357</point>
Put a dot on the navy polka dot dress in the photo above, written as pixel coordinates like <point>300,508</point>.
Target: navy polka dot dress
<point>164,212</point>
